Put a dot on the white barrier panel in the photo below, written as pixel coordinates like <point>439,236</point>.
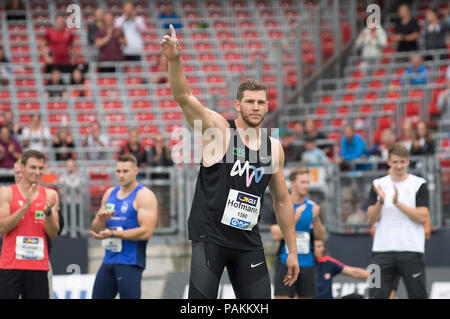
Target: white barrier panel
<point>440,290</point>
<point>73,286</point>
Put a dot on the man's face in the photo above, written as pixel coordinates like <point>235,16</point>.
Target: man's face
<point>5,135</point>
<point>416,61</point>
<point>109,20</point>
<point>319,248</point>
<point>60,23</point>
<point>252,107</point>
<point>300,185</point>
<point>399,165</point>
<point>55,76</point>
<point>18,172</point>
<point>134,137</point>
<point>33,170</point>
<point>126,173</point>
<point>348,133</point>
<point>128,9</point>
<point>403,11</point>
<point>8,117</point>
<point>310,146</point>
<point>95,129</point>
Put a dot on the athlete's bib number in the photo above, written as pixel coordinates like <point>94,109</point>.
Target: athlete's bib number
<point>241,210</point>
<point>30,248</point>
<point>303,243</point>
<point>113,244</point>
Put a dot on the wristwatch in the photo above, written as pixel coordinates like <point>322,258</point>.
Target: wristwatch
<point>49,212</point>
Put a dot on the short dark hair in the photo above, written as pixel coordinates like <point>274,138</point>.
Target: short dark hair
<point>398,149</point>
<point>32,154</point>
<point>250,85</point>
<point>298,171</point>
<point>127,158</point>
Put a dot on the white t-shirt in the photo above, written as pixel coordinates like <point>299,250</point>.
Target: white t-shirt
<point>132,29</point>
<point>395,231</point>
<point>37,138</point>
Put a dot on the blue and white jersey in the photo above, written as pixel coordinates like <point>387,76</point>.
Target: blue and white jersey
<point>121,251</point>
<point>303,229</point>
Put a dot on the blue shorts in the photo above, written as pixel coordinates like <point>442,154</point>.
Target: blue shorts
<point>116,278</point>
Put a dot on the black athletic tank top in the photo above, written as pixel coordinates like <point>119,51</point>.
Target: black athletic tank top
<point>229,195</point>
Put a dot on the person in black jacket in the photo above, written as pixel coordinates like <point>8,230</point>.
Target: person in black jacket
<point>423,144</point>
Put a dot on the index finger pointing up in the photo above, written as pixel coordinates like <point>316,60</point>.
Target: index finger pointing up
<point>173,34</point>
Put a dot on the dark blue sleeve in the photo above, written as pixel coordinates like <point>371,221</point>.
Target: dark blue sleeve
<point>337,268</point>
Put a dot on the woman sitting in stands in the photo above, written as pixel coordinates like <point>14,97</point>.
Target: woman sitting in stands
<point>79,84</point>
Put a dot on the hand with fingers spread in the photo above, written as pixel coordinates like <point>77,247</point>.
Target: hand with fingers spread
<point>380,193</point>
<point>170,46</point>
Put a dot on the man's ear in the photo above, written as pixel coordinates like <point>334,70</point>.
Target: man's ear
<point>237,105</point>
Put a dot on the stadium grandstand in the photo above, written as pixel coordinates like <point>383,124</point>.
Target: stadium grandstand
<point>319,82</point>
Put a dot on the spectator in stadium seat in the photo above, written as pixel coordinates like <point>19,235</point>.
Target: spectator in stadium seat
<point>299,130</point>
<point>408,135</point>
<point>169,16</point>
<point>58,48</point>
<point>70,181</point>
<point>352,147</point>
<point>162,67</point>
<point>423,144</point>
<point>134,146</point>
<point>15,10</point>
<point>292,152</point>
<point>159,156</point>
<point>96,24</point>
<point>96,140</point>
<point>443,102</point>
<point>55,85</point>
<point>312,155</point>
<point>63,139</point>
<point>77,79</point>
<point>132,26</point>
<point>372,41</point>
<point>416,73</point>
<point>5,68</point>
<point>387,140</point>
<point>8,121</point>
<point>109,41</point>
<point>406,31</point>
<point>36,136</point>
<point>434,32</point>
<point>311,131</point>
<point>10,152</point>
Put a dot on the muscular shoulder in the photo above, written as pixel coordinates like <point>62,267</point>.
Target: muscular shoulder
<point>5,193</point>
<point>145,195</point>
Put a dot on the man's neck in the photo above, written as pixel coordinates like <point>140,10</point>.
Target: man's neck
<point>242,125</point>
<point>297,198</point>
<point>125,190</point>
<point>398,179</point>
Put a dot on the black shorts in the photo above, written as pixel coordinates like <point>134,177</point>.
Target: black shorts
<point>247,271</point>
<point>409,265</point>
<point>304,287</point>
<point>30,284</point>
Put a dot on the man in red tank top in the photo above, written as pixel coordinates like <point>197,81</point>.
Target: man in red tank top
<point>28,214</point>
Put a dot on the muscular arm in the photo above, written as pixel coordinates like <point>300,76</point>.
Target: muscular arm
<point>190,105</point>
<point>282,203</point>
<point>355,272</point>
<point>319,229</point>
<point>147,208</point>
<point>52,221</point>
<point>9,221</point>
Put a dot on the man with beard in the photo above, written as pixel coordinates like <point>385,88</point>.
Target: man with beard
<point>223,223</point>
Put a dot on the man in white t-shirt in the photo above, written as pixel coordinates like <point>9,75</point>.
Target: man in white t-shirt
<point>399,203</point>
<point>132,27</point>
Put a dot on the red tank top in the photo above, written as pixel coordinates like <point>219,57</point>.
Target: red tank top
<point>25,247</point>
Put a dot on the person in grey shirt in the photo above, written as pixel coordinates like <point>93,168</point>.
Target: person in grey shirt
<point>443,102</point>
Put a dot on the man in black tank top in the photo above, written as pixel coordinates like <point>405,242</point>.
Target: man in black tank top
<point>239,161</point>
